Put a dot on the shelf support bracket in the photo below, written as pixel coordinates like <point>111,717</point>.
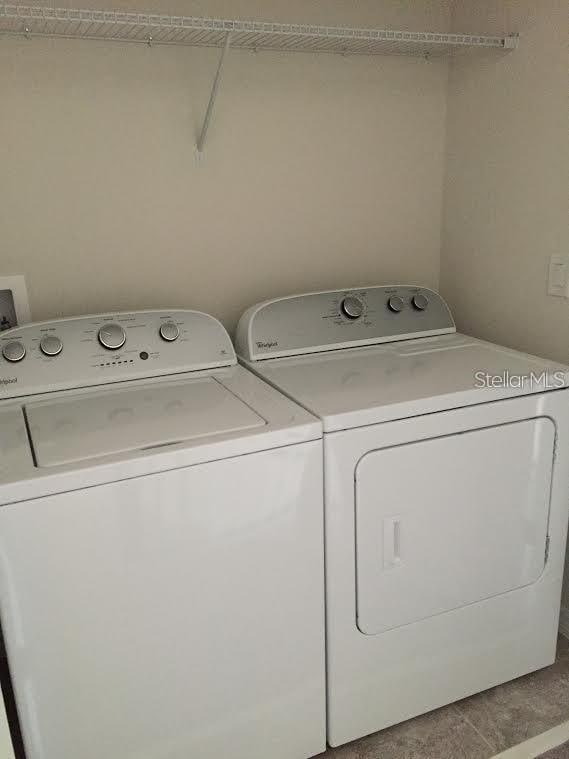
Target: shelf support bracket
<point>213,95</point>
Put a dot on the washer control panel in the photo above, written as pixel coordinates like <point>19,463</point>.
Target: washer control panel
<point>339,319</point>
<point>93,350</point>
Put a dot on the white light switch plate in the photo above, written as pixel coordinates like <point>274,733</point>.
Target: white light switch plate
<point>558,276</point>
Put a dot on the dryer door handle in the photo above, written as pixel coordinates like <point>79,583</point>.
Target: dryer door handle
<point>391,542</point>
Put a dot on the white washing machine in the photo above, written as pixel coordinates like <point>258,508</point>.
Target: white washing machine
<point>446,465</point>
<point>161,545</point>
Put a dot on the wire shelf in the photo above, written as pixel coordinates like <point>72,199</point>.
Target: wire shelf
<point>34,21</point>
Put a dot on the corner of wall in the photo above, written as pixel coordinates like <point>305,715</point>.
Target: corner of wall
<point>564,622</point>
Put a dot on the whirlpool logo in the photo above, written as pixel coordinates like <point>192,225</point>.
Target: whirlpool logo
<point>267,344</point>
<point>7,381</point>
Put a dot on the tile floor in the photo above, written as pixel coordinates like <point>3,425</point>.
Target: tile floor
<point>478,727</point>
<point>561,752</point>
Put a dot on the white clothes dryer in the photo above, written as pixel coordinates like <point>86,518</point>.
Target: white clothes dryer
<point>446,464</point>
<point>161,545</point>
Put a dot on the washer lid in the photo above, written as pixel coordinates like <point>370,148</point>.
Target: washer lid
<point>352,388</point>
<point>115,421</point>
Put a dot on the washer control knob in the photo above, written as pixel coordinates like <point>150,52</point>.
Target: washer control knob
<point>14,351</point>
<point>169,331</point>
<point>112,336</point>
<point>50,345</point>
<point>352,307</point>
<point>420,301</point>
<point>396,304</point>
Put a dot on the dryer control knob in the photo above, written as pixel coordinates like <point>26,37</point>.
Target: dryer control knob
<point>50,345</point>
<point>169,331</point>
<point>396,304</point>
<point>112,336</point>
<point>352,307</point>
<point>420,301</point>
<point>14,351</point>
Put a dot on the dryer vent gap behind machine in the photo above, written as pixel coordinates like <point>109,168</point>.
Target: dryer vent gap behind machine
<point>446,464</point>
<point>161,545</point>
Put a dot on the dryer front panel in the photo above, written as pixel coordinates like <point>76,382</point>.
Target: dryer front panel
<point>449,521</point>
<point>437,581</point>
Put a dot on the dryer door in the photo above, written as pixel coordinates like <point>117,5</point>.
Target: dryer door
<point>449,521</point>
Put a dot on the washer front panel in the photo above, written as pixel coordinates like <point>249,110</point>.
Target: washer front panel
<point>141,619</point>
<point>340,319</point>
<point>109,348</point>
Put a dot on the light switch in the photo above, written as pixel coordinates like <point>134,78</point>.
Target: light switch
<point>558,276</point>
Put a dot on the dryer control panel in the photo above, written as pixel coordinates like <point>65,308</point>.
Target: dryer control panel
<point>340,319</point>
<point>105,348</point>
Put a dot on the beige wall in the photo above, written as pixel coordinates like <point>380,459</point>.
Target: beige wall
<point>507,184</point>
<point>320,171</point>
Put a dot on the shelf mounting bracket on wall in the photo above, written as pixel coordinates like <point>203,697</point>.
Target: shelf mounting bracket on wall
<point>213,95</point>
